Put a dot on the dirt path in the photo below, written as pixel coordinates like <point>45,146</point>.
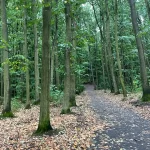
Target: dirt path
<point>128,130</point>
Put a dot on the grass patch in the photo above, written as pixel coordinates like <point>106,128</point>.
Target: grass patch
<point>7,115</point>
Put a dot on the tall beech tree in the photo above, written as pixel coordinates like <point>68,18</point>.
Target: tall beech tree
<point>25,51</point>
<point>143,70</point>
<point>68,49</point>
<point>36,57</point>
<point>7,97</point>
<point>56,48</point>
<point>109,49</point>
<point>117,50</point>
<point>73,53</point>
<point>44,120</point>
<point>148,8</point>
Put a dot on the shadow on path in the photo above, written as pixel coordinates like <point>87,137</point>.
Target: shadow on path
<point>128,131</point>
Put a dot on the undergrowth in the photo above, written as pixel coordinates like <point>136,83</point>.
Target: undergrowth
<point>16,104</point>
<point>56,95</point>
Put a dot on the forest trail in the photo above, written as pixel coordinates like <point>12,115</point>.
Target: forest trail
<point>127,131</point>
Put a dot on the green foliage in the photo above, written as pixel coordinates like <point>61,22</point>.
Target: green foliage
<point>56,95</point>
<point>17,63</point>
<point>79,88</point>
<point>3,44</point>
<point>7,115</point>
<point>16,104</point>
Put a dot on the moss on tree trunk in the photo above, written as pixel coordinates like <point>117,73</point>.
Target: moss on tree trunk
<point>44,127</point>
<point>72,101</point>
<point>146,94</point>
<point>7,114</point>
<point>27,106</point>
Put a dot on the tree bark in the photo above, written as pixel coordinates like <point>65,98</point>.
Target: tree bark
<point>44,120</point>
<point>7,97</point>
<point>1,76</point>
<point>73,63</point>
<point>52,59</point>
<point>36,55</point>
<point>148,8</point>
<point>117,51</point>
<point>27,106</point>
<point>143,71</point>
<point>66,101</point>
<point>111,63</point>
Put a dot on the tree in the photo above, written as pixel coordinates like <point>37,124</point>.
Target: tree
<point>36,58</point>
<point>26,56</point>
<point>44,120</point>
<point>56,47</point>
<point>109,50</point>
<point>117,51</point>
<point>148,8</point>
<point>7,97</point>
<point>73,53</point>
<point>66,101</point>
<point>143,71</point>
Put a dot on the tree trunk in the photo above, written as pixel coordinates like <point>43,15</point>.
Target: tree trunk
<point>106,55</point>
<point>1,76</point>
<point>27,106</point>
<point>143,71</point>
<point>73,63</point>
<point>36,61</point>
<point>66,101</point>
<point>117,51</point>
<point>111,63</point>
<point>56,48</point>
<point>148,8</point>
<point>44,120</point>
<point>7,97</point>
<point>52,64</point>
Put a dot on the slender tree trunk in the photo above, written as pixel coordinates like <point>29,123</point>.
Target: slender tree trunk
<point>96,63</point>
<point>52,64</point>
<point>1,76</point>
<point>117,51</point>
<point>56,48</point>
<point>44,120</point>
<point>56,68</point>
<point>73,63</point>
<point>36,55</point>
<point>27,106</point>
<point>148,8</point>
<point>7,97</point>
<point>106,55</point>
<point>91,66</point>
<point>111,63</point>
<point>66,101</point>
<point>103,69</point>
<point>143,71</point>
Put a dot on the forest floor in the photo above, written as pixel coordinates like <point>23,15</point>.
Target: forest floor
<point>75,130</point>
<point>100,122</point>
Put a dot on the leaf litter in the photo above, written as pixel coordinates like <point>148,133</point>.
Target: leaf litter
<point>76,130</point>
